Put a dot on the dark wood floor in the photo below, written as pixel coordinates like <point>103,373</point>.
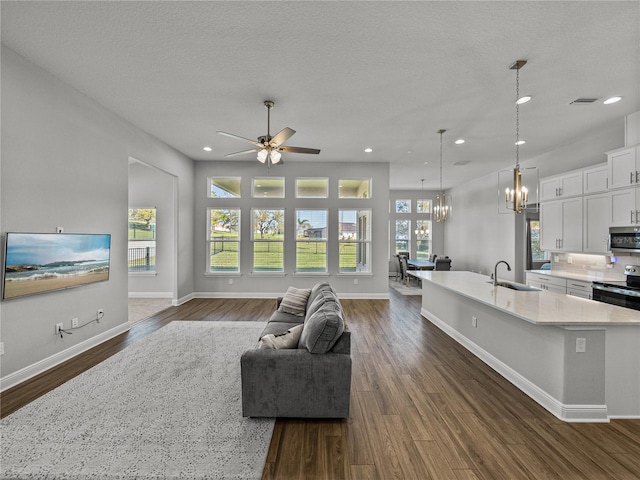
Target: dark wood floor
<point>422,407</point>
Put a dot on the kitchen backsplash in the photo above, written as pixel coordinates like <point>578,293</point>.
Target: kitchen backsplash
<point>600,266</point>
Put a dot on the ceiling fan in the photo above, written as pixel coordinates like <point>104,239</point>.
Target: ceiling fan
<point>268,147</point>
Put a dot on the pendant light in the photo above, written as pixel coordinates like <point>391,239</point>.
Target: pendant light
<point>441,209</point>
<point>422,230</point>
<point>517,195</point>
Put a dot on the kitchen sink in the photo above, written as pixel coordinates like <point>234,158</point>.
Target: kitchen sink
<point>517,286</point>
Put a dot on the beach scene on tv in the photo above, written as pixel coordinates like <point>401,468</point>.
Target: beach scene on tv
<point>42,262</point>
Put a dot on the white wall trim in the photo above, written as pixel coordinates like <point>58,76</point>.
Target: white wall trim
<point>364,296</point>
<point>183,300</point>
<point>150,294</point>
<point>567,413</point>
<point>45,364</point>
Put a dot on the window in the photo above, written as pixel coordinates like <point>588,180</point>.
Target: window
<point>403,206</point>
<point>311,240</point>
<point>354,237</point>
<point>402,235</point>
<point>142,240</point>
<point>224,187</point>
<point>354,188</point>
<point>423,206</point>
<point>423,239</point>
<point>268,187</point>
<point>224,240</point>
<point>268,240</point>
<point>312,187</point>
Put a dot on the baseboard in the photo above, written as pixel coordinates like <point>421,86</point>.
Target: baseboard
<point>43,365</point>
<point>363,296</point>
<point>182,300</point>
<point>150,294</point>
<point>567,413</point>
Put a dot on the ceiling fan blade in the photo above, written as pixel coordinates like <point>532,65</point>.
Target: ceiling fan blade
<point>244,152</point>
<point>299,150</point>
<point>283,135</point>
<point>238,137</point>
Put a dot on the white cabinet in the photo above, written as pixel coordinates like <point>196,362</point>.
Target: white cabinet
<point>595,180</point>
<point>595,223</point>
<point>561,186</point>
<point>624,167</point>
<point>578,288</point>
<point>561,225</point>
<point>546,282</point>
<point>624,205</point>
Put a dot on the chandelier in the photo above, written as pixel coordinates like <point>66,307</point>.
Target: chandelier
<point>422,229</point>
<point>441,210</point>
<point>517,196</point>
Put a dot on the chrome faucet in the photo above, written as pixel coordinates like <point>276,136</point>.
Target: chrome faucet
<point>495,272</point>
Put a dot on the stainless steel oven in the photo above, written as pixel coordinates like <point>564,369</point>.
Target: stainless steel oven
<point>624,294</point>
<point>624,239</point>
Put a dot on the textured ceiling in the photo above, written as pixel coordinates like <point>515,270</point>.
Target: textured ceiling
<point>346,75</point>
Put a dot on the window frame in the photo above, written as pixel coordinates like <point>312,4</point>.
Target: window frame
<point>297,191</point>
<point>233,240</point>
<point>269,242</point>
<point>358,241</point>
<point>149,267</point>
<point>324,241</point>
<point>211,178</point>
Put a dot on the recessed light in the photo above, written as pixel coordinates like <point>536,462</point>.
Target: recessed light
<point>521,142</point>
<point>207,149</point>
<point>611,100</point>
<point>368,150</point>
<point>409,152</point>
<point>523,99</point>
<point>426,163</point>
<point>460,141</point>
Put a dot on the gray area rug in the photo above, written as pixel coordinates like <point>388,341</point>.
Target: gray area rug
<point>412,289</point>
<point>166,407</point>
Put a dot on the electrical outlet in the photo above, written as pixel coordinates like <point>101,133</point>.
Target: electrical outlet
<point>100,313</point>
<point>231,281</point>
<point>1,348</point>
<point>59,229</point>
<point>569,259</point>
<point>74,322</point>
<point>581,345</point>
<point>355,281</point>
<point>474,322</point>
<point>59,327</point>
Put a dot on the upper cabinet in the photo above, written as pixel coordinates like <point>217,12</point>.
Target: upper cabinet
<point>596,179</point>
<point>561,186</point>
<point>624,167</point>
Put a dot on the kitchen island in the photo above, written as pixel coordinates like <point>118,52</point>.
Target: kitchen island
<point>578,358</point>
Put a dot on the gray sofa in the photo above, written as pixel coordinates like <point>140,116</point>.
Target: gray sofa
<point>311,381</point>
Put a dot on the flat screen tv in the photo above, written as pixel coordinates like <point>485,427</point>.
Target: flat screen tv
<point>43,262</point>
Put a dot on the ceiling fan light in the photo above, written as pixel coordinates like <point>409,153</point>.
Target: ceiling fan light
<point>275,156</point>
<point>262,155</point>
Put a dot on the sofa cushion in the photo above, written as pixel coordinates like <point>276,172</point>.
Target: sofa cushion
<point>289,339</point>
<point>323,328</point>
<point>295,301</point>
<point>321,298</point>
<point>278,328</point>
<point>316,289</point>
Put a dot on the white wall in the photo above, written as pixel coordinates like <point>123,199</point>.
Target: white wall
<point>152,188</point>
<point>65,163</point>
<point>261,285</point>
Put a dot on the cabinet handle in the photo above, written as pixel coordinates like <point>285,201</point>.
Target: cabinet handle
<point>637,176</point>
<point>632,216</point>
<point>560,191</point>
<point>630,177</point>
<point>637,216</point>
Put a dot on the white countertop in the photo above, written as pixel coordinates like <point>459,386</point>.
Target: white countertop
<point>585,277</point>
<point>539,307</point>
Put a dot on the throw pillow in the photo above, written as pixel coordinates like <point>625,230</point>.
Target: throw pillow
<point>289,339</point>
<point>295,301</point>
<point>322,329</point>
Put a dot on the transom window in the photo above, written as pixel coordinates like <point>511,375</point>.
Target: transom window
<point>312,187</point>
<point>268,187</point>
<point>224,187</point>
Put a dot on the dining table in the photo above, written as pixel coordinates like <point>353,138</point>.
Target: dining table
<point>421,264</point>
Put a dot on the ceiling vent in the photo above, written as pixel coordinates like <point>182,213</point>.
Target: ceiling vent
<point>583,101</point>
